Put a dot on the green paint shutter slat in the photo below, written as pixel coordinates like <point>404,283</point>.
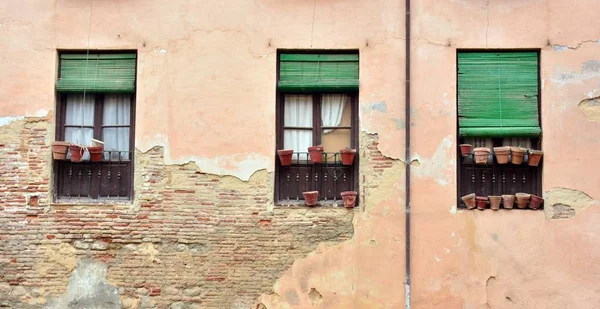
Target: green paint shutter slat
<point>318,72</point>
<point>498,94</point>
<point>97,73</point>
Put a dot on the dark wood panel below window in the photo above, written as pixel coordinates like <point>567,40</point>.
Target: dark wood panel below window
<point>93,180</point>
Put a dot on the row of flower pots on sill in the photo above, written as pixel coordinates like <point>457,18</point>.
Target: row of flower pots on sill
<point>60,149</point>
<point>523,200</point>
<point>312,197</point>
<point>316,155</point>
<point>517,154</point>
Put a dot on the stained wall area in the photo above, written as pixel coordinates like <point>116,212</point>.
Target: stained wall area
<point>203,230</point>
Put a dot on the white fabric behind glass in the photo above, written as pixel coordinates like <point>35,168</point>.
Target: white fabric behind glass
<point>332,109</point>
<point>117,111</point>
<point>298,113</point>
<point>80,113</point>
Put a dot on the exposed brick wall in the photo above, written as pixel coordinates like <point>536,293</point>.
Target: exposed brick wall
<point>190,239</point>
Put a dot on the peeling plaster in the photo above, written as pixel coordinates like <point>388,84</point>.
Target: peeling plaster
<point>6,120</point>
<point>561,203</point>
<point>558,47</point>
<point>242,166</point>
<point>591,108</point>
<point>441,165</point>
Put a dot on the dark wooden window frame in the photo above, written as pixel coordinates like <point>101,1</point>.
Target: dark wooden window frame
<point>317,129</point>
<point>500,175</point>
<point>60,126</point>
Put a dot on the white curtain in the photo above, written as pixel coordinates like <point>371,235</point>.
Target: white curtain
<point>298,113</point>
<point>80,113</point>
<point>117,111</point>
<point>332,109</point>
<point>517,142</point>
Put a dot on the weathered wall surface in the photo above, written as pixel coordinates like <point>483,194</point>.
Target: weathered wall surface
<point>203,231</point>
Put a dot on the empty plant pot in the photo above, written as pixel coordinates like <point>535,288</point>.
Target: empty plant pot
<point>517,154</point>
<point>349,198</point>
<point>522,200</point>
<point>465,149</point>
<point>76,153</point>
<point>535,156</point>
<point>535,201</point>
<point>311,197</point>
<point>59,150</point>
<point>508,200</point>
<point>482,155</point>
<point>481,202</point>
<point>96,153</point>
<point>495,201</point>
<point>347,156</point>
<point>501,154</point>
<point>469,200</point>
<point>285,156</point>
<point>316,154</point>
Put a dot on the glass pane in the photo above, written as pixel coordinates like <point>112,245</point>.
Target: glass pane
<point>80,112</point>
<point>335,140</point>
<point>298,111</point>
<point>336,110</point>
<point>79,136</point>
<point>117,109</point>
<point>298,140</point>
<point>116,143</point>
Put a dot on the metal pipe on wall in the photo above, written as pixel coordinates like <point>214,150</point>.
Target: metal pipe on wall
<point>407,155</point>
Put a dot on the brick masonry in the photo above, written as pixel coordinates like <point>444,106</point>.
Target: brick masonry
<point>190,240</point>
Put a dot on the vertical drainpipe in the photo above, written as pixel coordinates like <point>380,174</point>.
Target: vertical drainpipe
<point>407,155</point>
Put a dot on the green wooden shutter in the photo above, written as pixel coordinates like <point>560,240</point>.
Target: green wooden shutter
<point>97,73</point>
<point>498,94</point>
<point>318,72</point>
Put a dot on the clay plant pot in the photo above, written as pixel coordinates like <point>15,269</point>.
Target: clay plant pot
<point>349,198</point>
<point>285,156</point>
<point>482,155</point>
<point>96,153</point>
<point>347,156</point>
<point>311,197</point>
<point>76,153</point>
<point>535,201</point>
<point>508,200</point>
<point>495,201</point>
<point>316,154</point>
<point>517,154</point>
<point>534,157</point>
<point>522,200</point>
<point>481,202</point>
<point>501,154</point>
<point>59,150</point>
<point>469,200</point>
<point>465,149</point>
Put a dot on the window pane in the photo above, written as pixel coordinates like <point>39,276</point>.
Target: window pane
<point>116,141</point>
<point>335,110</point>
<point>298,111</point>
<point>79,136</point>
<point>116,109</point>
<point>298,140</point>
<point>79,112</point>
<point>335,140</point>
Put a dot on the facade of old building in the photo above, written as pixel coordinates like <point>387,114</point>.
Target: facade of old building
<point>190,206</point>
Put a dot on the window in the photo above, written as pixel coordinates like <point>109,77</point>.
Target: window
<point>96,100</point>
<point>498,105</point>
<point>317,105</point>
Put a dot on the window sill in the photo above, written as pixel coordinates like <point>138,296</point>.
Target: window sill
<point>92,202</point>
<point>320,204</point>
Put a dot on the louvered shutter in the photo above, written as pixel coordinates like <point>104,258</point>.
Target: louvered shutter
<point>97,73</point>
<point>318,72</point>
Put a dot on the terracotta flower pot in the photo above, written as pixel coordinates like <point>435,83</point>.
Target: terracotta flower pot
<point>311,197</point>
<point>469,200</point>
<point>481,202</point>
<point>96,153</point>
<point>316,154</point>
<point>482,155</point>
<point>465,149</point>
<point>522,200</point>
<point>495,201</point>
<point>285,156</point>
<point>76,153</point>
<point>535,156</point>
<point>59,150</point>
<point>508,201</point>
<point>535,201</point>
<point>501,154</point>
<point>347,156</point>
<point>349,198</point>
<point>517,154</point>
